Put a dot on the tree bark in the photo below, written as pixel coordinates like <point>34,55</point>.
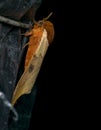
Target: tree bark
<point>11,48</point>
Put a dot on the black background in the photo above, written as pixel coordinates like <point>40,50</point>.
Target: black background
<point>64,70</point>
<point>49,82</point>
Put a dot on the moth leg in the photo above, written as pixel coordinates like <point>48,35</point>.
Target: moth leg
<point>27,33</point>
<point>25,45</point>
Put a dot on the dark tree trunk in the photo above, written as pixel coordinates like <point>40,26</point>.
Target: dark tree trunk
<point>11,49</point>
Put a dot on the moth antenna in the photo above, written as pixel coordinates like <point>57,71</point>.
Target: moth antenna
<point>45,19</point>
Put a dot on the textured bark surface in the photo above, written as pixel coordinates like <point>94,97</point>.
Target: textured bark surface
<point>11,49</point>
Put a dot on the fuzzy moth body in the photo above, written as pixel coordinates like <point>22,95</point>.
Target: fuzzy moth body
<point>39,38</point>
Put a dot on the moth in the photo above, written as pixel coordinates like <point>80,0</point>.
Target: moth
<point>40,37</point>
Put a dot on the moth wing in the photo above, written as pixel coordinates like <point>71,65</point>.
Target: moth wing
<point>29,76</point>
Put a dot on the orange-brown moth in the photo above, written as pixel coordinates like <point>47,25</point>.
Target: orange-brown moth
<point>39,38</point>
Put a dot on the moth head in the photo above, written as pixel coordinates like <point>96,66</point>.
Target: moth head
<point>45,24</point>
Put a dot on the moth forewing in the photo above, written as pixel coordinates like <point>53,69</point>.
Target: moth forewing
<point>29,76</point>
